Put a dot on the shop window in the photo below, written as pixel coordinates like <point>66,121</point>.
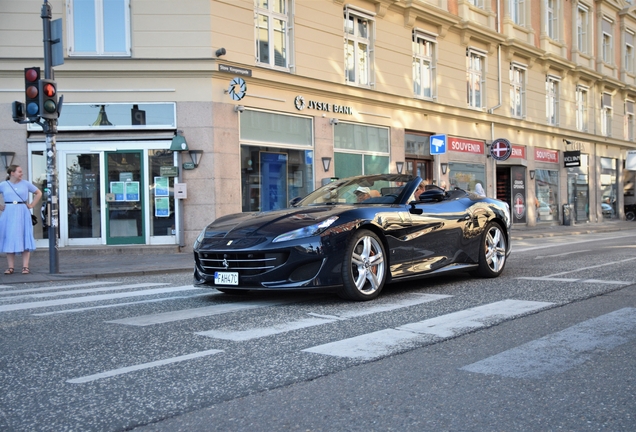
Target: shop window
<point>98,28</point>
<point>466,176</point>
<point>547,187</point>
<point>578,190</point>
<point>266,127</point>
<point>360,149</point>
<point>608,187</point>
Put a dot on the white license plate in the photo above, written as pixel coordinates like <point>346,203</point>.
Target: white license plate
<point>226,278</point>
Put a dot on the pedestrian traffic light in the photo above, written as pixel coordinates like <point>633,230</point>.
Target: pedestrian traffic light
<point>32,91</point>
<point>48,99</point>
<point>18,110</point>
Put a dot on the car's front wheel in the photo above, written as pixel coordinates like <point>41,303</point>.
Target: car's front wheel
<point>364,269</point>
<point>492,253</point>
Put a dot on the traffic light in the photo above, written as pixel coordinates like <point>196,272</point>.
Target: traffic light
<point>19,111</point>
<point>32,91</point>
<point>48,99</point>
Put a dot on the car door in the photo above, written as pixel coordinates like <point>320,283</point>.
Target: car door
<point>439,233</point>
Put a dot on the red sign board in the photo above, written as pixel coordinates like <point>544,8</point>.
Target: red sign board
<point>465,145</point>
<point>518,152</point>
<point>545,155</point>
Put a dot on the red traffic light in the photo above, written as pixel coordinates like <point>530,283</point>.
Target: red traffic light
<point>32,74</point>
<point>49,90</point>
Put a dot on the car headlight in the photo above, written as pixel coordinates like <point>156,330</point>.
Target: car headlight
<point>199,239</point>
<point>307,231</point>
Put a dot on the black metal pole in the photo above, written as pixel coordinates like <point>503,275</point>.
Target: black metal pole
<point>50,129</point>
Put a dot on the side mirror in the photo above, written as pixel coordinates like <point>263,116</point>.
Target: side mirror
<point>294,201</point>
<point>415,210</point>
<point>432,195</point>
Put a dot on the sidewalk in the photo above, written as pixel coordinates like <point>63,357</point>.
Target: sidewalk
<point>136,260</point>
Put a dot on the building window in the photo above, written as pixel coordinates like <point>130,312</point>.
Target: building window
<point>358,46</point>
<point>476,77</point>
<point>552,100</point>
<point>606,53</point>
<point>517,90</point>
<point>582,25</point>
<point>552,19</point>
<point>629,120</point>
<point>272,32</point>
<point>424,48</point>
<point>606,115</point>
<point>629,52</point>
<point>582,95</point>
<point>98,27</point>
<point>517,12</point>
<point>477,3</point>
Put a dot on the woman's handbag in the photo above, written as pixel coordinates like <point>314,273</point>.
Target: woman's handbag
<point>34,220</point>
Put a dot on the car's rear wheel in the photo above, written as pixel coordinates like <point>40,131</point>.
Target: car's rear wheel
<point>492,253</point>
<point>630,215</point>
<point>364,269</point>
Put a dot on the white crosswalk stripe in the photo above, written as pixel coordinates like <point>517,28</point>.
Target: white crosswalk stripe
<point>366,309</point>
<point>384,342</point>
<point>85,291</point>
<point>59,287</point>
<point>561,351</point>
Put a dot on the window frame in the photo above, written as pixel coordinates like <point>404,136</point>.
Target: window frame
<point>518,12</point>
<point>581,28</point>
<point>518,87</point>
<point>582,108</point>
<point>629,120</point>
<point>630,36</point>
<point>369,17</point>
<point>552,99</point>
<point>552,27</point>
<point>272,16</point>
<point>471,73</point>
<point>606,114</point>
<point>431,59</point>
<point>607,38</point>
<point>99,28</point>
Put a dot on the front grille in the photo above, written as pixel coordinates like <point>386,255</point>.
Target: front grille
<point>246,264</point>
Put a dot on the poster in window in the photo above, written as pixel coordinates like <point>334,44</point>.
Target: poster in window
<point>132,191</point>
<point>117,189</point>
<point>161,187</point>
<point>273,180</point>
<point>162,207</point>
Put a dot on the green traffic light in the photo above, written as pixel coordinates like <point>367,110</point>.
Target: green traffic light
<point>50,106</point>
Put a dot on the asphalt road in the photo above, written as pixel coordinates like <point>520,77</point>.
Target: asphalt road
<point>549,345</point>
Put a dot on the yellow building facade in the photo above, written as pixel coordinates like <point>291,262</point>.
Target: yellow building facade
<point>532,99</point>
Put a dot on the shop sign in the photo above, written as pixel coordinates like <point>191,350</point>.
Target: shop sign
<point>545,155</point>
<point>518,152</point>
<point>500,149</point>
<point>301,104</point>
<point>572,158</point>
<point>630,161</point>
<point>169,171</point>
<point>518,175</point>
<point>465,145</point>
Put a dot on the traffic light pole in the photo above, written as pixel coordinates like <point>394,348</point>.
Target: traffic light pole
<point>50,129</point>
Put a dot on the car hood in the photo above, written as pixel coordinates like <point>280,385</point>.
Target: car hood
<point>266,225</point>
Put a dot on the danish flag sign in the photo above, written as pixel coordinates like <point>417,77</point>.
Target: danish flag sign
<point>500,149</point>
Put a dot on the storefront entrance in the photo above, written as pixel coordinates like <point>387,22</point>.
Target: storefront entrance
<point>124,200</point>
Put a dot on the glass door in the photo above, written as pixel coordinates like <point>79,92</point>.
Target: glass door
<point>83,198</point>
<point>124,197</point>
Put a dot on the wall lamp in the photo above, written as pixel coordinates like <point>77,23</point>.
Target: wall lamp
<point>444,167</point>
<point>333,121</point>
<point>239,108</point>
<point>7,159</point>
<point>399,166</point>
<point>326,162</point>
<point>532,173</point>
<point>179,143</point>
<point>195,155</point>
<point>220,52</point>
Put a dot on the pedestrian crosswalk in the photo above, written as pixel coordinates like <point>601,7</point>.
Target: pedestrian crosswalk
<point>428,323</point>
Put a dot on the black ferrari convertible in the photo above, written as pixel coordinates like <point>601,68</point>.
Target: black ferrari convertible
<point>353,236</point>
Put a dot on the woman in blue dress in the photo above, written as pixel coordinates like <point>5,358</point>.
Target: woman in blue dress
<point>16,229</point>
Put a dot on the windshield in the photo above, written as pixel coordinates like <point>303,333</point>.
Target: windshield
<point>378,189</point>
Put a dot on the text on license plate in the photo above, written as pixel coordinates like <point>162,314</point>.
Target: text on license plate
<point>226,278</point>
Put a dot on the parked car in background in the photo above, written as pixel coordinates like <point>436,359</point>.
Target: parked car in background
<point>607,210</point>
<point>354,235</point>
<point>630,212</point>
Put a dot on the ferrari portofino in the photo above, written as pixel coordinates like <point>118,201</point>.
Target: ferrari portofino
<point>353,236</point>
